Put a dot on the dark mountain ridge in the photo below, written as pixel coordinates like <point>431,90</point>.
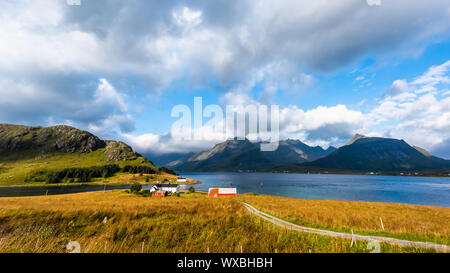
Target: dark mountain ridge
<point>376,154</point>
<point>243,155</point>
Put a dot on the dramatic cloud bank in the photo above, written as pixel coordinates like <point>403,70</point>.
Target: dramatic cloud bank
<point>72,64</point>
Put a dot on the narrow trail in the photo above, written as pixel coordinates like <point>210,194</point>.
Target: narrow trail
<point>288,225</point>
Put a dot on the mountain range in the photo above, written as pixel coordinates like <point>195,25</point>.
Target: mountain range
<point>361,153</point>
<point>24,148</point>
<point>238,155</point>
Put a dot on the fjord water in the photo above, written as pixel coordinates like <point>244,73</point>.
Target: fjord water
<point>434,191</point>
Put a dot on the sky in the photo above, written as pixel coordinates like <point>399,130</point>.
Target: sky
<point>335,68</point>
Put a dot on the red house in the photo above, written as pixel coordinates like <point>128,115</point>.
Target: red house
<point>222,192</point>
<point>160,194</point>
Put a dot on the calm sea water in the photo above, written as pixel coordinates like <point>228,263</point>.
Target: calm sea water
<point>395,189</point>
<point>433,191</point>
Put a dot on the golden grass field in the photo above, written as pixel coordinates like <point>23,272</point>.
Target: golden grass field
<point>409,222</point>
<point>194,223</point>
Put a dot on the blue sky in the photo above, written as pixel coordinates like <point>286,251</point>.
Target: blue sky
<point>335,68</point>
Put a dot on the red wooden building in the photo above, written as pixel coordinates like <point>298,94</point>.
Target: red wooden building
<point>222,192</point>
<point>160,194</point>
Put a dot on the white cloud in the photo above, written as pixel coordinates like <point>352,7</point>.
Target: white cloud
<point>53,55</point>
<point>418,111</point>
<point>405,112</point>
<point>187,16</point>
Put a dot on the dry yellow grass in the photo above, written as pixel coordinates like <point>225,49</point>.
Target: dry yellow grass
<point>410,222</point>
<point>191,223</point>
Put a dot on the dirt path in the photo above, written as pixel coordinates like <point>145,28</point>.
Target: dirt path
<point>288,225</point>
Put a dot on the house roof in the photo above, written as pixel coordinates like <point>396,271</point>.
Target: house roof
<point>166,185</point>
<point>225,190</point>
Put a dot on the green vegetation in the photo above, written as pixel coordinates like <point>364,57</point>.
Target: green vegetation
<point>74,174</point>
<point>135,187</point>
<point>34,155</point>
<point>191,189</point>
<point>193,223</point>
<point>19,168</point>
<point>139,169</point>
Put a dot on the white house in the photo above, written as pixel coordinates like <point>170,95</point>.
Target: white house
<point>170,188</point>
<point>181,180</point>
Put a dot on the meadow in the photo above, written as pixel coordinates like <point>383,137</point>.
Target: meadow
<point>408,222</point>
<point>120,222</point>
<point>17,168</point>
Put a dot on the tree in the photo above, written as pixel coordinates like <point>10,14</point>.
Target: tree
<point>191,189</point>
<point>135,187</point>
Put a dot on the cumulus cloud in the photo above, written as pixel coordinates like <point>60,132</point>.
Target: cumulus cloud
<point>406,111</point>
<point>165,144</point>
<point>323,126</point>
<point>161,41</point>
<point>57,61</point>
<point>417,111</point>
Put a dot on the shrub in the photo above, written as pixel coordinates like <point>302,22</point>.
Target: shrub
<point>52,178</point>
<point>191,189</point>
<point>138,170</point>
<point>135,187</point>
<point>146,193</point>
<point>147,179</point>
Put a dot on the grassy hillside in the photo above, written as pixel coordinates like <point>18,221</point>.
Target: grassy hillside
<point>15,167</point>
<point>191,223</point>
<point>27,152</point>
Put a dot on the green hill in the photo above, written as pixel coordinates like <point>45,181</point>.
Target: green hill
<point>27,151</point>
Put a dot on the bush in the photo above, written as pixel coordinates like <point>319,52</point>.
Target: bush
<point>191,189</point>
<point>138,170</point>
<point>147,179</point>
<point>52,178</point>
<point>146,193</point>
<point>135,187</point>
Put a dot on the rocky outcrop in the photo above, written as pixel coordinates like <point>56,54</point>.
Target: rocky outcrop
<point>119,151</point>
<point>43,140</point>
<point>47,139</point>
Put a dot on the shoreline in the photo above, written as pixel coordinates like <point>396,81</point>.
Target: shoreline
<point>381,174</point>
<point>195,182</point>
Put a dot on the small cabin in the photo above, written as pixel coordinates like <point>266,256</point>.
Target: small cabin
<point>170,188</point>
<point>160,193</point>
<point>181,180</point>
<point>222,192</point>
